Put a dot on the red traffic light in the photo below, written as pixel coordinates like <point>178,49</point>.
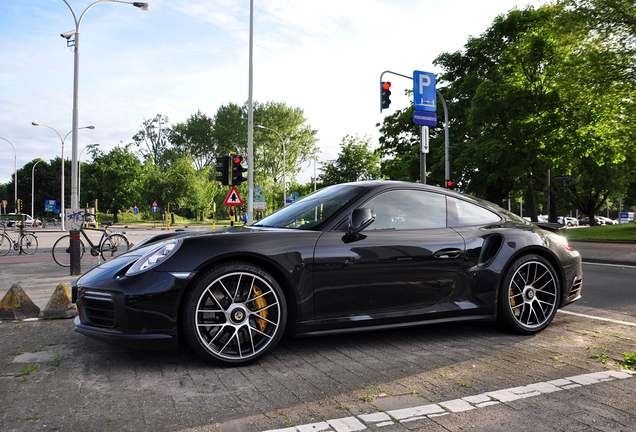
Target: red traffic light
<point>450,184</point>
<point>386,85</point>
<point>238,159</point>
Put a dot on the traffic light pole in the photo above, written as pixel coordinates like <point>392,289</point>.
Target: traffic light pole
<point>446,145</point>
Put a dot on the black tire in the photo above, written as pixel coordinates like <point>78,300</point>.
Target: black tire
<point>29,244</point>
<point>234,314</point>
<point>62,251</point>
<point>5,244</point>
<point>113,246</point>
<point>529,295</point>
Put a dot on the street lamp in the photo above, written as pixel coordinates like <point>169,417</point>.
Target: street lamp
<point>76,44</point>
<point>79,171</point>
<point>63,140</point>
<point>284,172</point>
<point>15,176</point>
<point>33,188</point>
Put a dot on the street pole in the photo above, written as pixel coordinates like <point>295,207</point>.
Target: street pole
<point>250,126</point>
<point>76,45</point>
<point>15,176</point>
<point>33,188</point>
<point>446,157</point>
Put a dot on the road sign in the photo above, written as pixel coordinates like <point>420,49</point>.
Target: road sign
<point>424,93</point>
<point>424,140</point>
<point>233,198</point>
<point>425,118</point>
<point>49,205</point>
<point>135,210</point>
<point>563,178</point>
<point>155,207</point>
<point>258,201</point>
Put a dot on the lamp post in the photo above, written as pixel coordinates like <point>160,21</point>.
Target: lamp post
<point>76,44</point>
<point>33,188</point>
<point>79,170</point>
<point>62,140</point>
<point>284,172</point>
<point>15,176</point>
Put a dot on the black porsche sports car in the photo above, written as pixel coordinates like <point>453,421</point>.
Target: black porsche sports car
<point>350,257</point>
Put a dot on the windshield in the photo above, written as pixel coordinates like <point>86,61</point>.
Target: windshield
<point>314,209</point>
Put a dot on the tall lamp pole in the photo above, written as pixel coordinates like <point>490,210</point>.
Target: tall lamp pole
<point>33,188</point>
<point>62,140</point>
<point>76,44</point>
<point>284,165</point>
<point>79,171</point>
<point>15,176</point>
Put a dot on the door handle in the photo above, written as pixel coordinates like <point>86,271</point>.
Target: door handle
<point>447,253</point>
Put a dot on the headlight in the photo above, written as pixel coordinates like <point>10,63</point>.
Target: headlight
<point>154,256</point>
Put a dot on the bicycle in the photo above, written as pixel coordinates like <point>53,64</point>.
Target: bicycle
<point>27,242</point>
<point>110,245</point>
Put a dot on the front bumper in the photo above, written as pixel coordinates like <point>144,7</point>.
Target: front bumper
<point>139,311</point>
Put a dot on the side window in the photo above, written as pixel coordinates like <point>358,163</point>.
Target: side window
<point>407,209</point>
<point>469,214</point>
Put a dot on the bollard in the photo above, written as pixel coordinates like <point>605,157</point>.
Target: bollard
<point>76,265</point>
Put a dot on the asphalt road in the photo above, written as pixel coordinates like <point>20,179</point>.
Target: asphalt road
<point>609,287</point>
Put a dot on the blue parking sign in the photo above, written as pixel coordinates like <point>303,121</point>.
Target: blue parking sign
<point>424,92</point>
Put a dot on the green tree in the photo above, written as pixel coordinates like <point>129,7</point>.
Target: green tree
<point>356,161</point>
<point>152,139</point>
<point>196,138</point>
<point>115,179</point>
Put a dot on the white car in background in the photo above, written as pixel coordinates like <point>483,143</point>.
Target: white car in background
<point>28,220</point>
<point>569,221</point>
<point>607,221</point>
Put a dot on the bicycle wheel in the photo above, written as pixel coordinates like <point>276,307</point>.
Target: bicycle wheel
<point>29,244</point>
<point>62,251</point>
<point>113,246</point>
<point>5,244</point>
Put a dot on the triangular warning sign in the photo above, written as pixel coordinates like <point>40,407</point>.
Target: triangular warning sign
<point>233,198</point>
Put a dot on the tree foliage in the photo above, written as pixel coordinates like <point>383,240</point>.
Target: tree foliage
<point>114,179</point>
<point>356,161</point>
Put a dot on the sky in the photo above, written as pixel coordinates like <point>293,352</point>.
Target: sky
<point>325,57</point>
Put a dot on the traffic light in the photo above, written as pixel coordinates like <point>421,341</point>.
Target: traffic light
<point>18,206</point>
<point>223,169</point>
<point>237,170</point>
<point>450,184</point>
<point>385,93</point>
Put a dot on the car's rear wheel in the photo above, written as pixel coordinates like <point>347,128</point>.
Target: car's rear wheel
<point>529,295</point>
<point>234,314</point>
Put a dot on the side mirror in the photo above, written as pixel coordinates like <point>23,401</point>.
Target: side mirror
<point>359,219</point>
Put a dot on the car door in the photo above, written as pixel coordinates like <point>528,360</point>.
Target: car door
<point>405,261</point>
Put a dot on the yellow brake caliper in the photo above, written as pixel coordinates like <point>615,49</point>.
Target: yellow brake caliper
<point>261,303</point>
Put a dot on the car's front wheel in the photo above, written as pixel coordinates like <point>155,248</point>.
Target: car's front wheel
<point>234,314</point>
<point>529,295</point>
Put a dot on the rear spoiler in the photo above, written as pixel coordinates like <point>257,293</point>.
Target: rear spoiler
<point>551,226</point>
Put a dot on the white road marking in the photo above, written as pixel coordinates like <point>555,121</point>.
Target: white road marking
<point>360,422</point>
<point>598,318</point>
<point>609,265</point>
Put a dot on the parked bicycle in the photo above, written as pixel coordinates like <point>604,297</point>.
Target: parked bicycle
<point>110,245</point>
<point>27,242</point>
